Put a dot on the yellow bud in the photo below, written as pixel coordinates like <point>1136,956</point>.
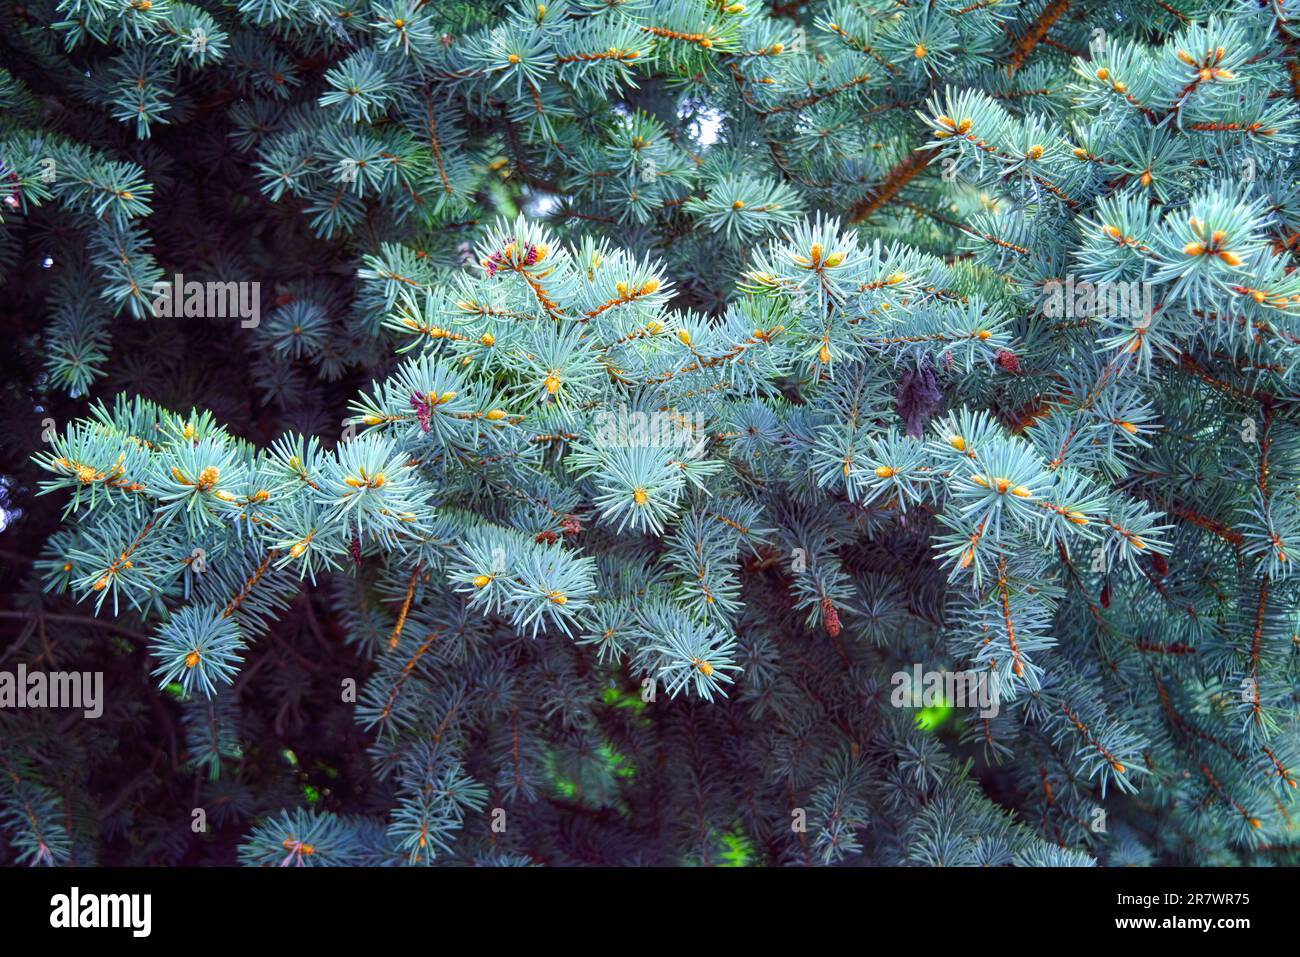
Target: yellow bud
<point>297,550</point>
<point>1232,259</point>
<point>639,496</point>
<point>482,580</point>
<point>957,442</point>
<point>918,51</point>
<point>1001,484</point>
<point>650,286</point>
<point>824,355</point>
<point>834,259</point>
<point>192,659</point>
<point>1129,427</point>
<point>558,598</point>
<point>815,254</point>
<point>776,48</point>
<point>1035,152</point>
<point>705,668</point>
<point>208,477</point>
<point>488,339</point>
<point>884,471</point>
<point>86,475</point>
<point>496,415</point>
<point>445,398</point>
<point>684,337</point>
<point>1021,492</point>
<point>1078,518</point>
<point>1103,74</point>
<point>1193,249</point>
<point>980,480</point>
<point>552,383</point>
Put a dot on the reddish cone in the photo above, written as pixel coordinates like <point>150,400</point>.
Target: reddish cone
<point>830,618</point>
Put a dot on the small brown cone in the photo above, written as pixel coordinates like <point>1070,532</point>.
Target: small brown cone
<point>830,618</point>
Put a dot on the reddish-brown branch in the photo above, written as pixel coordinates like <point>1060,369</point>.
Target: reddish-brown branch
<point>406,672</point>
<point>248,585</point>
<point>1083,730</point>
<point>1036,32</point>
<point>1218,789</point>
<point>406,607</point>
<point>898,177</point>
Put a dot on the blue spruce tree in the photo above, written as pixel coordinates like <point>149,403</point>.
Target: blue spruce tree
<point>652,431</point>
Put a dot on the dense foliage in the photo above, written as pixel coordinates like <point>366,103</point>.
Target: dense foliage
<point>632,390</point>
